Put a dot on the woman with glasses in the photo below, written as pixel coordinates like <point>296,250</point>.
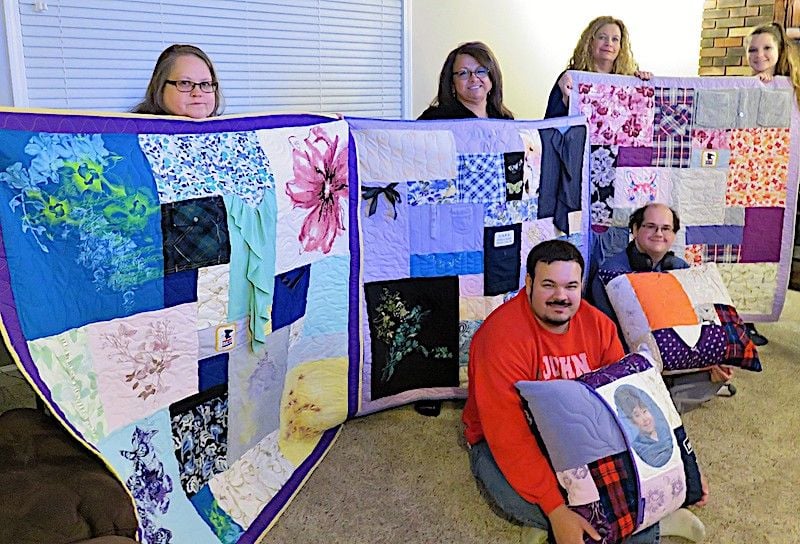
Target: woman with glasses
<point>470,85</point>
<point>604,47</point>
<point>183,83</point>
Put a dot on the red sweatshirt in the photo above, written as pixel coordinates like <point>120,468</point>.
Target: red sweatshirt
<point>511,346</point>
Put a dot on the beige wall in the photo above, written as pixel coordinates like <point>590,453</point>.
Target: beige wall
<point>533,41</point>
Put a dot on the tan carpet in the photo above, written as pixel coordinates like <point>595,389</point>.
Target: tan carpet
<point>397,477</point>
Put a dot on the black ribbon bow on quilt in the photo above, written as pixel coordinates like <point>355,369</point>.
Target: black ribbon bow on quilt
<point>371,195</point>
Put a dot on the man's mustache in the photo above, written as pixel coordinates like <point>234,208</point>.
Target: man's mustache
<point>562,303</point>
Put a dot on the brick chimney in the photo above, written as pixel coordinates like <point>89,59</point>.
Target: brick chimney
<point>725,25</point>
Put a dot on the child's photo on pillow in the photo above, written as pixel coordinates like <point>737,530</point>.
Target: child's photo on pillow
<point>645,425</point>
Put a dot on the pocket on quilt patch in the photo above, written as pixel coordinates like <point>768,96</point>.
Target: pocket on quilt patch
<point>195,234</point>
<point>716,109</point>
<point>774,108</point>
<point>501,259</point>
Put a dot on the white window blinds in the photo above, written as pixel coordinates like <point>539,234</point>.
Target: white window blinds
<point>294,56</point>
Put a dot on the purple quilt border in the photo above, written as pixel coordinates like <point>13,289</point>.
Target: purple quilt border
<point>62,122</point>
<point>255,532</point>
<point>353,328</point>
<point>13,328</point>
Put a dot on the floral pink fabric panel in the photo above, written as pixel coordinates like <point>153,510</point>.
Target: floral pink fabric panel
<point>618,115</point>
<point>759,167</point>
<point>144,362</point>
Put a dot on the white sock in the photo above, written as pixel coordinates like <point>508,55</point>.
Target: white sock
<point>685,524</point>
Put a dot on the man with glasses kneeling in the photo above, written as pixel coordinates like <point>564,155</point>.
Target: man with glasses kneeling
<point>654,228</point>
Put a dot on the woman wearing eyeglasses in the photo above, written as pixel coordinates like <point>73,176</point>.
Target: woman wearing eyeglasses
<point>183,83</point>
<point>604,47</point>
<point>470,85</point>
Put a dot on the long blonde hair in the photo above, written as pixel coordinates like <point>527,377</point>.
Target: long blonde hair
<point>788,54</point>
<point>582,56</point>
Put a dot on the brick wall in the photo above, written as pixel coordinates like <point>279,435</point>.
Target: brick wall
<point>725,24</point>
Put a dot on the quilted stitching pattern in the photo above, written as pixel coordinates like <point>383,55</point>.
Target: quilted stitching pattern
<point>400,155</point>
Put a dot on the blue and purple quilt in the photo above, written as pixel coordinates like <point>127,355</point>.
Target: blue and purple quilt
<point>204,303</point>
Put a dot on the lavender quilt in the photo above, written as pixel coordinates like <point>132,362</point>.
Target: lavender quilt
<point>203,304</point>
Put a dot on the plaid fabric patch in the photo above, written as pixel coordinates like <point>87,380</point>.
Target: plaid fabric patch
<point>195,233</point>
<point>672,151</point>
<point>740,350</point>
<point>616,482</point>
<point>673,112</point>
<point>481,178</point>
<point>672,127</point>
<point>723,253</point>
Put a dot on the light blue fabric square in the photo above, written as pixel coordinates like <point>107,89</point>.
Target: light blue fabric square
<point>446,228</point>
<point>446,264</point>
<point>327,307</point>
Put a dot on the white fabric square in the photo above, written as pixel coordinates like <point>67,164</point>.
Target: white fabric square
<point>699,195</point>
<point>405,155</point>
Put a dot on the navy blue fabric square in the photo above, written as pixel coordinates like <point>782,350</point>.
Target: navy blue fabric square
<point>501,259</point>
<point>180,288</point>
<point>212,371</point>
<point>195,233</point>
<point>290,297</point>
<point>561,175</point>
<point>694,487</point>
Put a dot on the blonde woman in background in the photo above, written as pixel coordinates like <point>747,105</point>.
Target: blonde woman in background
<point>604,47</point>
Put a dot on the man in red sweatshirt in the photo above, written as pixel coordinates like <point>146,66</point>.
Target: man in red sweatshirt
<point>545,332</point>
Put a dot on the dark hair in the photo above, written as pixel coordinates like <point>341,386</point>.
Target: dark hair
<point>154,95</point>
<point>446,95</point>
<point>553,250</point>
<point>628,399</point>
<point>637,217</point>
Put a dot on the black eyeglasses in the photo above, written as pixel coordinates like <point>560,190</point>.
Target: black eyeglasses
<point>186,86</point>
<point>464,74</point>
